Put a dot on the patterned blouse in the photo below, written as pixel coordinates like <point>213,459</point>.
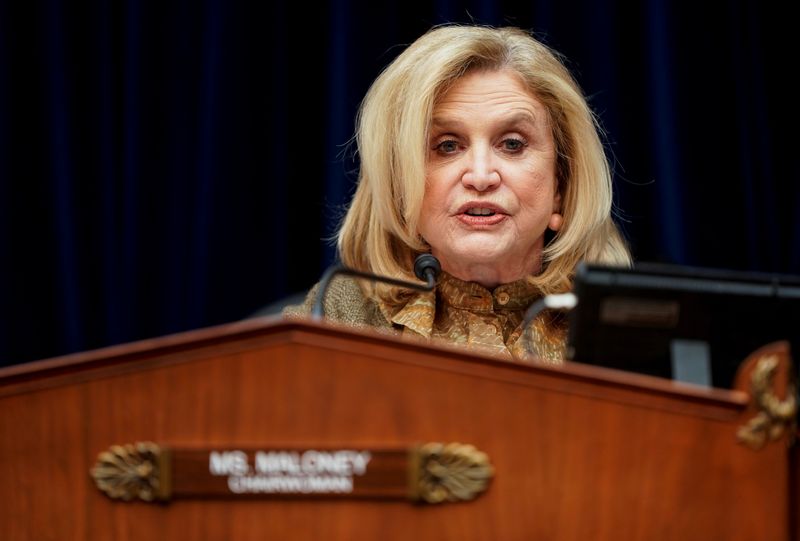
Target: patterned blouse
<point>467,313</point>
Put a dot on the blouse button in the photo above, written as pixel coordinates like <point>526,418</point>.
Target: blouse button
<point>503,297</point>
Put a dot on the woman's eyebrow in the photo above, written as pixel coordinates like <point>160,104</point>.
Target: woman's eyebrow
<point>513,119</point>
<point>521,117</point>
<point>446,122</point>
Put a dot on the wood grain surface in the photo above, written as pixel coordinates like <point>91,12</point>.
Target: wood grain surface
<point>579,452</point>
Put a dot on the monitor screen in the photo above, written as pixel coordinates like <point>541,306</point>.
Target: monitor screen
<point>690,324</point>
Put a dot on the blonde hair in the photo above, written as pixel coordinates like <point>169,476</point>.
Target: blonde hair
<point>379,233</point>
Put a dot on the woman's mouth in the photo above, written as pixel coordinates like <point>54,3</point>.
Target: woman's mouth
<point>481,217</point>
<point>480,211</point>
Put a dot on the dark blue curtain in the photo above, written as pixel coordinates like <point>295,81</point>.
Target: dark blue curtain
<point>174,165</point>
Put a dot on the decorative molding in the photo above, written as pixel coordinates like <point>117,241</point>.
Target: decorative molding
<point>449,472</point>
<point>774,415</point>
<point>132,471</point>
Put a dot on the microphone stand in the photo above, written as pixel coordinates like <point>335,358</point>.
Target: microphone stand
<point>556,301</point>
<point>426,267</point>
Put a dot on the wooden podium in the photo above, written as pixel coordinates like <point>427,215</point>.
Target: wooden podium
<point>577,452</point>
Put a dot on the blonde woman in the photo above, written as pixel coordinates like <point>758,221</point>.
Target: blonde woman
<point>476,145</point>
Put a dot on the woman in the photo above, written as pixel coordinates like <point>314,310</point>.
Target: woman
<point>476,145</point>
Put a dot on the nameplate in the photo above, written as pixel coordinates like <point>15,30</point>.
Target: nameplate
<point>430,473</point>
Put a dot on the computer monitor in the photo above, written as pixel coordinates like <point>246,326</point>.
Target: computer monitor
<point>689,324</point>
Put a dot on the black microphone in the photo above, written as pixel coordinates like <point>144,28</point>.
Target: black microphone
<point>426,267</point>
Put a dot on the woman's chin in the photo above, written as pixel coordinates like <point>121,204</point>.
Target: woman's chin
<point>475,265</point>
<point>484,256</point>
<point>484,249</point>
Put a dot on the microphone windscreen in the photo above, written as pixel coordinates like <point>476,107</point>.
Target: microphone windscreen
<point>425,262</point>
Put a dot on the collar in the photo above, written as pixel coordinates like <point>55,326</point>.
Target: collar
<point>476,298</point>
<point>418,313</point>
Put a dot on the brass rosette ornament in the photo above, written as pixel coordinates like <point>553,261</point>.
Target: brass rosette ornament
<point>449,472</point>
<point>131,471</point>
<point>775,416</point>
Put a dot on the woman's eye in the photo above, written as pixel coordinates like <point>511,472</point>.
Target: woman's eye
<point>447,147</point>
<point>513,145</point>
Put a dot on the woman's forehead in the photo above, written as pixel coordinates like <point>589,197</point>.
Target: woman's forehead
<point>498,93</point>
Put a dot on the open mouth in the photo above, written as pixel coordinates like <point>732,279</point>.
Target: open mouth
<point>479,212</point>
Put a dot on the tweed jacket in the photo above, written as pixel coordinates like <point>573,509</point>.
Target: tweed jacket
<point>345,303</point>
<point>470,322</point>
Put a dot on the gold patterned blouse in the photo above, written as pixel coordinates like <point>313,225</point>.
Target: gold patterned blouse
<point>469,314</point>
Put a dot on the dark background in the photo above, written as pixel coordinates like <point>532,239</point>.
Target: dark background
<point>173,165</point>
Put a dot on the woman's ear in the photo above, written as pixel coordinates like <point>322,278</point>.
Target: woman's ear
<point>556,221</point>
<point>556,218</point>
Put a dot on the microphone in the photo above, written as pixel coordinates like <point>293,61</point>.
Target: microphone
<point>556,301</point>
<point>426,268</point>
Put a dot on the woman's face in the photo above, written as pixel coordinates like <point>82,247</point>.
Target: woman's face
<point>491,187</point>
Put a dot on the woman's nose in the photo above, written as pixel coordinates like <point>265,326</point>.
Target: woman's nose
<point>481,173</point>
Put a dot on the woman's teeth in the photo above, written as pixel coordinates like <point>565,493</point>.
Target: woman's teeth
<point>480,212</point>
